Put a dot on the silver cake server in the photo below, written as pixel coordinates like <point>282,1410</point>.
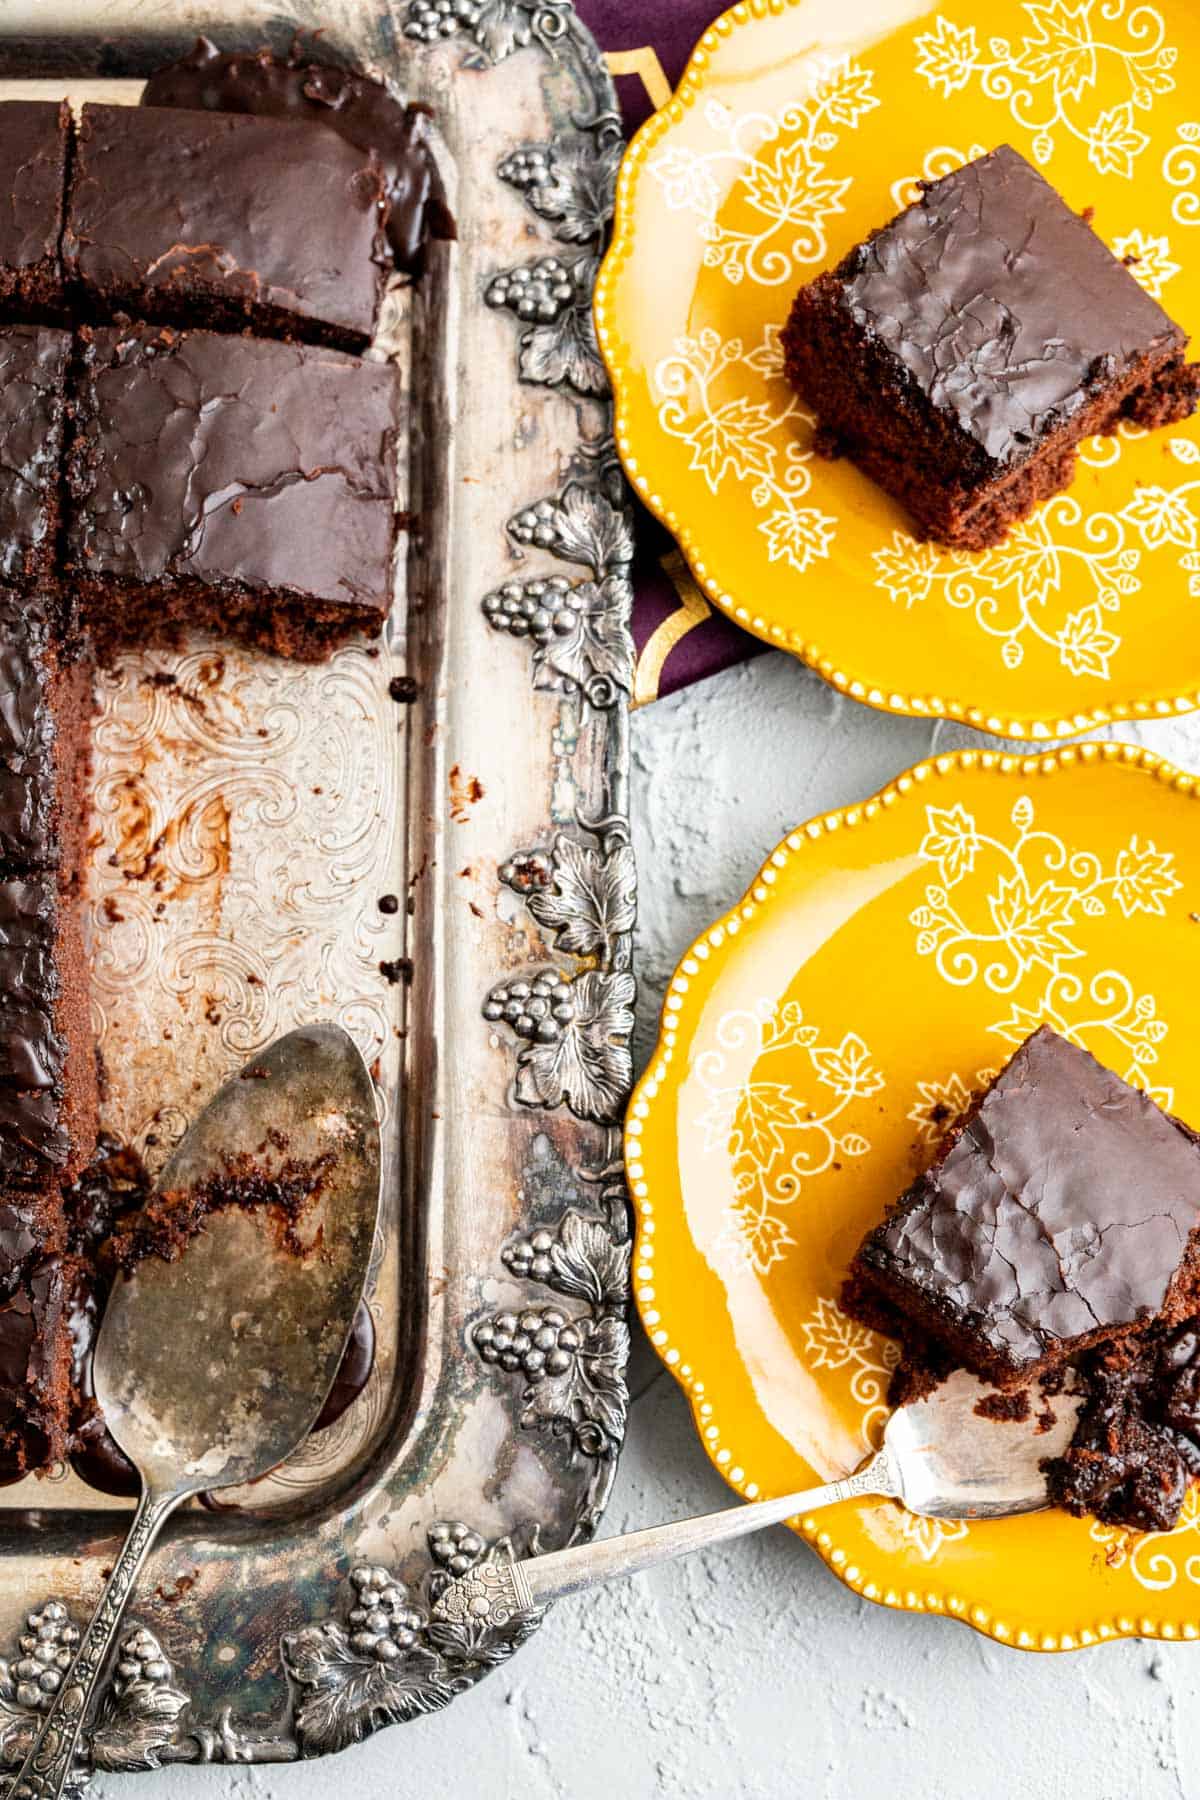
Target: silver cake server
<point>212,1369</point>
<point>939,1456</point>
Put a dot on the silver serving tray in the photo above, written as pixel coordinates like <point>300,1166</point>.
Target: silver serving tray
<point>250,815</point>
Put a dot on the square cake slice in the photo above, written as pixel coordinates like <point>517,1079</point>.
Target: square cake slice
<point>233,483</point>
<point>960,353</point>
<point>227,220</point>
<point>33,375</point>
<point>1063,1213</point>
<point>34,135</point>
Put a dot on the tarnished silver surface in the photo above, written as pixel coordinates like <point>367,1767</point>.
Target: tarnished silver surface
<point>940,1456</point>
<point>250,816</point>
<point>211,1368</point>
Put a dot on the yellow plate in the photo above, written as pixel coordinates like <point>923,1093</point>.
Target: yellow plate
<point>797,128</point>
<point>888,959</point>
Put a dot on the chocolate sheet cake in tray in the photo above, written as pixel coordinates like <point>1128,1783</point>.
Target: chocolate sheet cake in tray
<point>422,837</point>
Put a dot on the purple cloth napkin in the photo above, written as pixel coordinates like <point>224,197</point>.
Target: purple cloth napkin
<point>680,638</point>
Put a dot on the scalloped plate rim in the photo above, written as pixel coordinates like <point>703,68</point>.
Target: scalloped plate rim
<point>1037,727</point>
<point>966,1611</point>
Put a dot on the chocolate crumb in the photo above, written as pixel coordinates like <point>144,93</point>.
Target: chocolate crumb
<point>827,444</point>
<point>1011,1406</point>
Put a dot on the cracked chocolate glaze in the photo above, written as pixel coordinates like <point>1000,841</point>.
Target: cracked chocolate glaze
<point>1005,308</point>
<point>26,728</point>
<point>33,366</point>
<point>31,1051</point>
<point>28,839</point>
<point>33,1366</point>
<point>23,1353</point>
<point>245,214</point>
<point>33,153</point>
<point>32,1133</point>
<point>1064,1206</point>
<point>47,1064</point>
<point>28,920</point>
<point>358,109</point>
<point>234,460</point>
<point>23,1235</point>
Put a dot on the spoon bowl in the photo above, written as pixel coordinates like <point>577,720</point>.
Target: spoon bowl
<point>953,1462</point>
<point>209,1370</point>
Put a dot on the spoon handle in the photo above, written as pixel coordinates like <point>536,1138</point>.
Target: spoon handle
<point>50,1762</point>
<point>495,1592</point>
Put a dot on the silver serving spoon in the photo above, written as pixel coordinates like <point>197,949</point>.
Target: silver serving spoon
<point>939,1456</point>
<point>212,1369</point>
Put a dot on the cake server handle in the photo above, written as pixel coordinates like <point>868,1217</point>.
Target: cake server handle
<point>494,1593</point>
<point>50,1763</point>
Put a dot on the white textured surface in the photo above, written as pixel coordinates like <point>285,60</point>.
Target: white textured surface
<point>751,1672</point>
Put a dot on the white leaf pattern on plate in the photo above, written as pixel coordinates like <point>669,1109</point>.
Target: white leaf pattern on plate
<point>773,1138</point>
<point>780,170</point>
<point>1015,914</point>
<point>1050,78</point>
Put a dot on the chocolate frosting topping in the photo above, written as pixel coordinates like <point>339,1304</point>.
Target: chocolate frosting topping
<point>26,730</point>
<point>33,365</point>
<point>22,1233</point>
<point>30,1337</point>
<point>31,1051</point>
<point>360,110</point>
<point>27,778</point>
<point>243,211</point>
<point>1004,306</point>
<point>28,919</point>
<point>1066,1204</point>
<point>33,1136</point>
<point>33,151</point>
<point>235,459</point>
